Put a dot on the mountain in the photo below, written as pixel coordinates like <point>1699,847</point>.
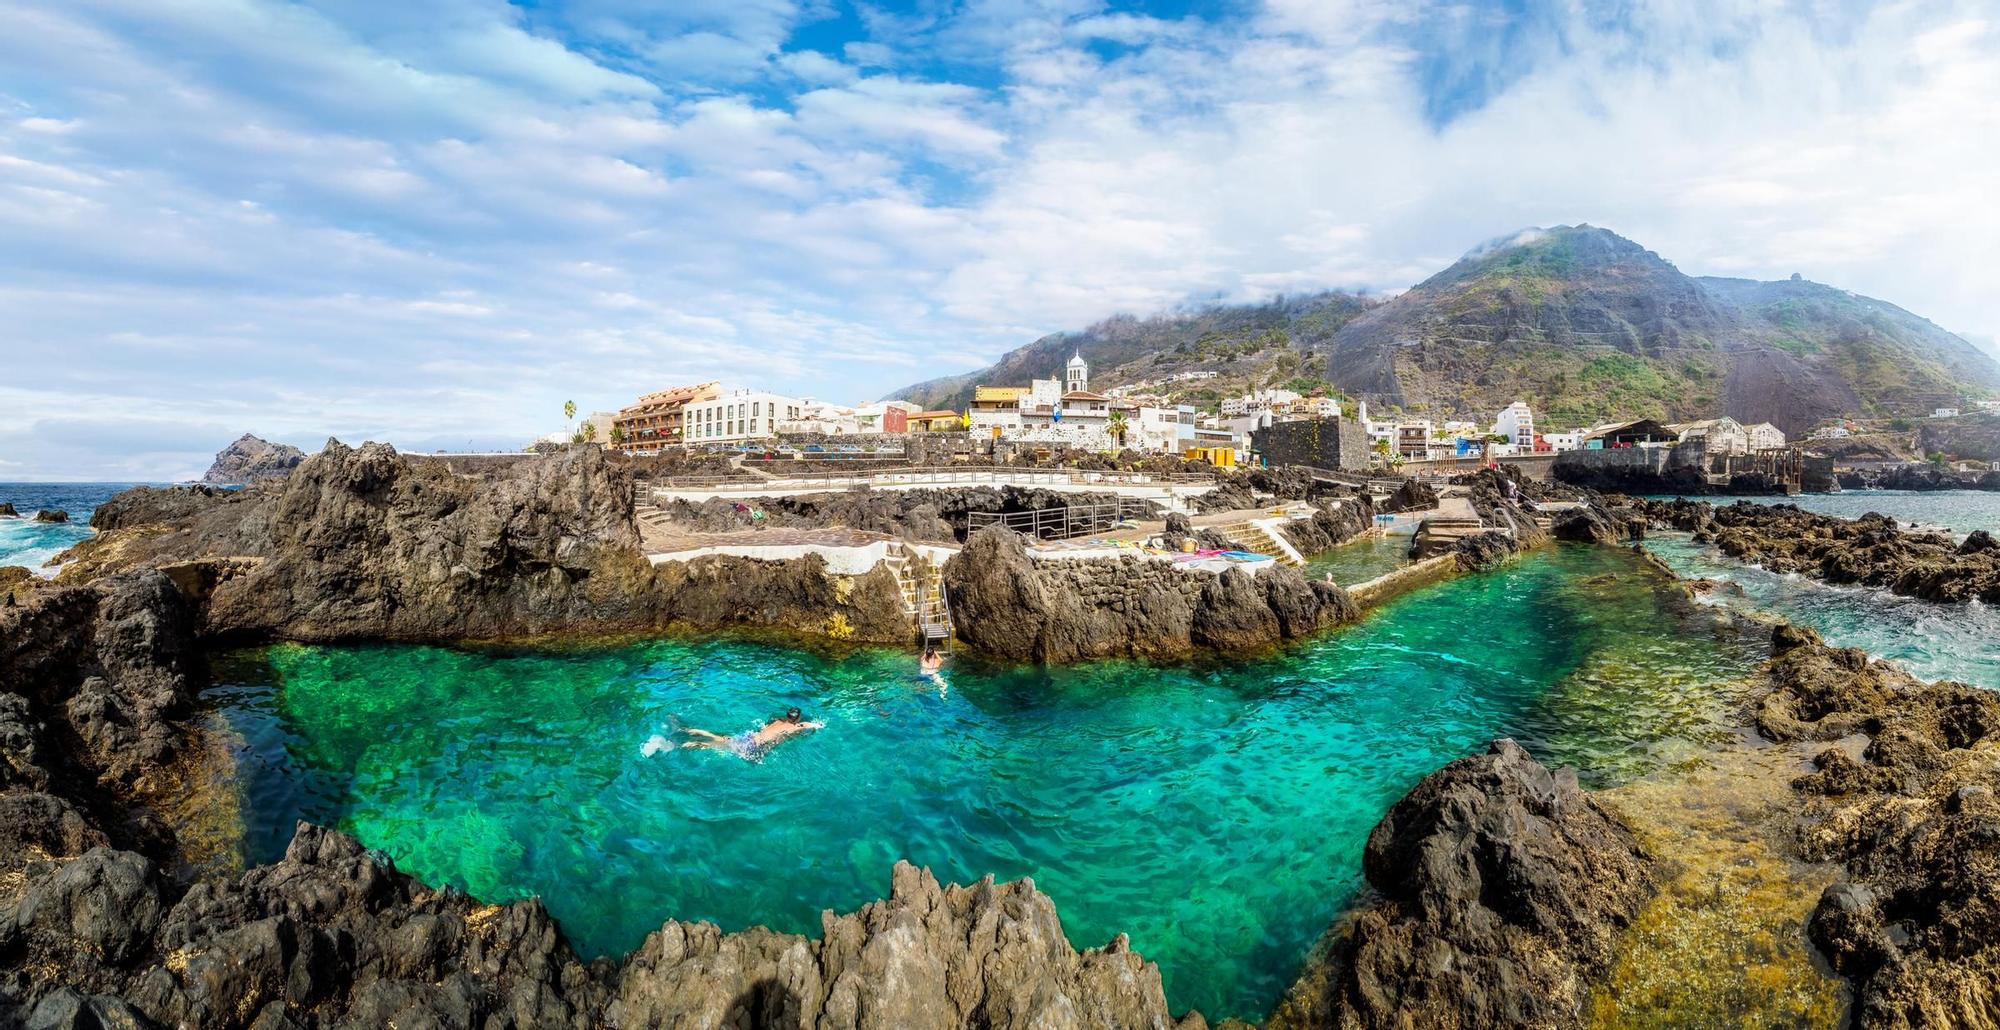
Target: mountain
<point>1219,351</point>
<point>1585,325</point>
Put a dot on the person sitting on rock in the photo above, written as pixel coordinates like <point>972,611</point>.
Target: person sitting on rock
<point>751,745</point>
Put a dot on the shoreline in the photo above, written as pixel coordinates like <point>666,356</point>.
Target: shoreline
<point>147,636</point>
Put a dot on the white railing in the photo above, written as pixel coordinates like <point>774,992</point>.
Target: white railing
<point>1066,521</point>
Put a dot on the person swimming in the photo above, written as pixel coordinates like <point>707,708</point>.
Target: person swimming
<point>932,661</point>
<point>751,745</point>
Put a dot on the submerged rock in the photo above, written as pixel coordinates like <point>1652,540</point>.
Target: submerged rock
<point>52,515</point>
<point>250,459</point>
<point>1503,886</point>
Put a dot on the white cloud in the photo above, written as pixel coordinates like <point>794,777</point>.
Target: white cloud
<point>435,222</point>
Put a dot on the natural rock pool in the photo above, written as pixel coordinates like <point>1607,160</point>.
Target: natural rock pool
<point>1216,812</point>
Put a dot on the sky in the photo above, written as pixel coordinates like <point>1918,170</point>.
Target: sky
<point>432,223</point>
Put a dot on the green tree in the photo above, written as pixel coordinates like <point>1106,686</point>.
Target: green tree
<point>590,432</point>
<point>569,411</point>
<point>617,433</point>
<point>1118,427</point>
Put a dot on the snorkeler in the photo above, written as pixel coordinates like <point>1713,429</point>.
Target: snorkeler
<point>751,745</point>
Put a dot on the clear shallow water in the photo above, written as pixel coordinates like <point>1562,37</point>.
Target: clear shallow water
<point>24,541</point>
<point>1934,641</point>
<point>1960,511</point>
<point>1214,812</point>
<point>1360,560</point>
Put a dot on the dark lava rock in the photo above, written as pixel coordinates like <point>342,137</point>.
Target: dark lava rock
<point>1915,923</point>
<point>250,459</point>
<point>151,505</point>
<point>1413,495</point>
<point>1009,605</point>
<point>1503,887</point>
<point>1333,523</point>
<point>1868,551</point>
<point>363,543</point>
<point>1585,524</point>
<point>1483,551</point>
<point>1978,541</point>
<point>52,515</point>
<point>7,511</point>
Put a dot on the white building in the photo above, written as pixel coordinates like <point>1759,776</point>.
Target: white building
<point>1765,437</point>
<point>1945,413</point>
<point>1829,433</point>
<point>1517,424</point>
<point>1560,442</point>
<point>1258,401</point>
<point>739,415</point>
<point>1723,435</point>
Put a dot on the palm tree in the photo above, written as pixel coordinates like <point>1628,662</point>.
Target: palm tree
<point>590,432</point>
<point>617,434</point>
<point>569,411</point>
<point>1118,427</point>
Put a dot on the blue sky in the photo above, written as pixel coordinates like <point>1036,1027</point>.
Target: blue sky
<point>433,222</point>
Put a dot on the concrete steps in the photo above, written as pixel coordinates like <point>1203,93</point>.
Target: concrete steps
<point>1258,538</point>
<point>924,597</point>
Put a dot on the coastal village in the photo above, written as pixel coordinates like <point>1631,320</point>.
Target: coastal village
<point>1063,413</point>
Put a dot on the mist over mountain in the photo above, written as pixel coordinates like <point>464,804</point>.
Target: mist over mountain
<point>1582,323</point>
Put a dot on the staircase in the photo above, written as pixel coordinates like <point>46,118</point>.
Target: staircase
<point>925,599</point>
<point>1257,538</point>
<point>650,517</point>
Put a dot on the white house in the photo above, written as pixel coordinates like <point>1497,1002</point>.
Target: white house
<point>1765,437</point>
<point>739,415</point>
<point>1560,442</point>
<point>1945,413</point>
<point>1517,424</point>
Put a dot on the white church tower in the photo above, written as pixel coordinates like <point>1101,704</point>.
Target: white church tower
<point>1078,377</point>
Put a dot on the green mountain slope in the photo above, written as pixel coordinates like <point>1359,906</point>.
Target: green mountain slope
<point>1585,325</point>
<point>1588,326</point>
<point>1279,343</point>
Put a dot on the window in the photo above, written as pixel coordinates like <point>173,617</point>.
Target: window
<point>754,405</point>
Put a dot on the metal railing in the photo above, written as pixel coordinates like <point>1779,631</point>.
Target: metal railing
<point>1064,522</point>
<point>953,474</point>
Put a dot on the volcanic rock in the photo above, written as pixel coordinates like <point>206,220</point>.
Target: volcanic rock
<point>250,459</point>
<point>1009,605</point>
<point>1915,923</point>
<point>1503,887</point>
<point>52,515</point>
<point>1413,495</point>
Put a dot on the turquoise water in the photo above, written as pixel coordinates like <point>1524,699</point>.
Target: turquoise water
<point>1360,560</point>
<point>1960,642</point>
<point>1960,511</point>
<point>24,541</point>
<point>1934,641</point>
<point>1215,812</point>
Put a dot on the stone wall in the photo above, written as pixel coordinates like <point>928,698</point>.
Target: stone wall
<point>1330,443</point>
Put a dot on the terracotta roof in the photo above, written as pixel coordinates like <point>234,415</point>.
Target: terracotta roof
<point>1084,395</point>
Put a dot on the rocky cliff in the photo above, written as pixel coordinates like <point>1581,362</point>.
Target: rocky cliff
<point>250,459</point>
<point>1009,605</point>
<point>367,544</point>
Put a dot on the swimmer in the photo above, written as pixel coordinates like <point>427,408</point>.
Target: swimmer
<point>751,745</point>
<point>932,665</point>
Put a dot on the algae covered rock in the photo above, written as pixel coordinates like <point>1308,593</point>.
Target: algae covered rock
<point>1503,887</point>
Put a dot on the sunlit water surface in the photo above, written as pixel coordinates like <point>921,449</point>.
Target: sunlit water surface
<point>1216,812</point>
